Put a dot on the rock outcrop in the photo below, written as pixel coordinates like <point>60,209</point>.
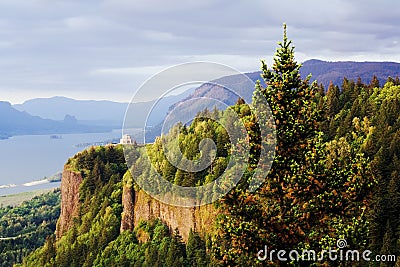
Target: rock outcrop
<point>128,202</point>
<point>70,183</point>
<point>137,206</point>
<point>140,206</point>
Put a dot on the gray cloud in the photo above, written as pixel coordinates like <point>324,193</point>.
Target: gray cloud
<point>106,49</point>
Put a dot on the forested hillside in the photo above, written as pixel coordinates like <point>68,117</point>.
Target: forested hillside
<point>325,72</point>
<point>374,113</point>
<point>27,226</point>
<point>94,239</point>
<point>335,176</point>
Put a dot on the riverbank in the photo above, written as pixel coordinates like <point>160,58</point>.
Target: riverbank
<point>16,199</point>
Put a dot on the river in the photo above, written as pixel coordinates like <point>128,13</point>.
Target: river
<point>25,161</point>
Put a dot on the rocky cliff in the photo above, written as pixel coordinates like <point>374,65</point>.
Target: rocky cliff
<point>137,206</point>
<point>140,206</point>
<point>70,183</point>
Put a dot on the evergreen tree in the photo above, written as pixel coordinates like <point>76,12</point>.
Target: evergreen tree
<point>196,250</point>
<point>296,119</point>
<point>374,83</point>
<point>320,97</point>
<point>328,126</point>
<point>151,257</point>
<point>347,93</point>
<point>176,251</point>
<point>333,100</point>
<point>307,197</point>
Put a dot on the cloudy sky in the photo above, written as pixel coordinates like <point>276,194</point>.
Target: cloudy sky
<point>106,49</point>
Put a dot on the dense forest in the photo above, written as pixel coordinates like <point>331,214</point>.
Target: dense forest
<point>95,239</point>
<point>335,176</point>
<point>26,227</point>
<point>373,112</point>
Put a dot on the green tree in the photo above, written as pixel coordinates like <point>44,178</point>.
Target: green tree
<point>176,251</point>
<point>196,250</point>
<point>329,125</point>
<point>333,100</point>
<point>307,199</point>
<point>374,83</point>
<point>347,93</point>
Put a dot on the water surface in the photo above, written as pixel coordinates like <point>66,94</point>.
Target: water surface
<point>28,158</point>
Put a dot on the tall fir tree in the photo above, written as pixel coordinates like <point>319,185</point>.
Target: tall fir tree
<point>289,182</point>
<point>312,189</point>
<point>333,100</point>
<point>374,83</point>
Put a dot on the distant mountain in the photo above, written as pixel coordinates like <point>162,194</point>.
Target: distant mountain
<point>324,71</point>
<point>225,88</point>
<point>111,114</point>
<point>100,113</point>
<point>321,71</point>
<point>221,93</point>
<point>15,122</point>
<point>87,111</point>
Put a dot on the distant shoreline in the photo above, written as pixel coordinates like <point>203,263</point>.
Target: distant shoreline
<point>4,137</point>
<point>47,183</point>
<point>16,199</point>
<point>52,179</point>
<point>58,134</point>
<point>7,186</point>
<point>21,189</point>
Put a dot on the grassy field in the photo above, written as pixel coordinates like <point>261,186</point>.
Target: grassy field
<point>16,199</point>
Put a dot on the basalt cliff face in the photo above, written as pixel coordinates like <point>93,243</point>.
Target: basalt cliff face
<point>70,183</point>
<point>137,206</point>
<point>140,206</point>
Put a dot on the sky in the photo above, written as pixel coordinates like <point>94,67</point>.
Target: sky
<point>108,49</point>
